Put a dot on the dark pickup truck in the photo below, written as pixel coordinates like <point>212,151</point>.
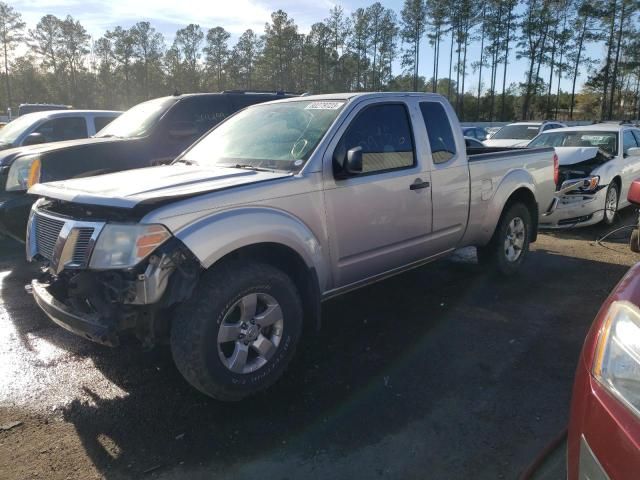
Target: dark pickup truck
<point>151,133</point>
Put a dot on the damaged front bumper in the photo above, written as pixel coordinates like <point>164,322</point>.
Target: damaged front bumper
<point>102,306</point>
<point>576,210</point>
<point>89,326</point>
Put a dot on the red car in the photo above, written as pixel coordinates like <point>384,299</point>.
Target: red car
<point>604,428</point>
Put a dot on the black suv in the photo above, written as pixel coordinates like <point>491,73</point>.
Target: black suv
<point>151,133</point>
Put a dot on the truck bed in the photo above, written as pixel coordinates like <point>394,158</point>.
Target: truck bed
<point>496,153</point>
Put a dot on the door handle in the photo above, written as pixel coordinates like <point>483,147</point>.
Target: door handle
<point>418,184</point>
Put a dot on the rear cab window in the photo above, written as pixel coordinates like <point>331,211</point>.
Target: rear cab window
<point>441,139</point>
<point>383,131</point>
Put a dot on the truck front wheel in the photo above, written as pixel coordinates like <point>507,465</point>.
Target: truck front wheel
<point>238,332</point>
<point>510,243</point>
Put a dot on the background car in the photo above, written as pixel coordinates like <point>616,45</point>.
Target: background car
<point>473,143</point>
<point>54,126</point>
<point>25,108</point>
<point>151,133</point>
<point>479,133</point>
<point>520,133</point>
<point>597,164</point>
<point>491,131</point>
<point>604,425</point>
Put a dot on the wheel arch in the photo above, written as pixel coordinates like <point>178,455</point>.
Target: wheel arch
<point>291,263</point>
<point>527,198</point>
<point>266,235</point>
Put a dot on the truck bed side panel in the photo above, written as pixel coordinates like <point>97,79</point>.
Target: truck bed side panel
<point>495,177</point>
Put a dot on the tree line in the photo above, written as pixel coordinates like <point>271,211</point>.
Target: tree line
<point>372,48</point>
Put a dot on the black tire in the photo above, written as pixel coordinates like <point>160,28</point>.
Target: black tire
<point>494,254</point>
<point>195,326</point>
<point>610,220</point>
<point>634,242</point>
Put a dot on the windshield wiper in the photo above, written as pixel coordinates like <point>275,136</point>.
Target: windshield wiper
<point>248,166</point>
<point>186,161</point>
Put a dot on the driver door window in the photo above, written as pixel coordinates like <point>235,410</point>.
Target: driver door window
<point>384,134</point>
<point>629,141</point>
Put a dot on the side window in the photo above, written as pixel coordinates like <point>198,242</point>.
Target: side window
<point>628,141</point>
<point>636,133</point>
<point>100,122</point>
<point>199,112</point>
<point>441,139</point>
<point>67,128</point>
<point>548,126</point>
<point>384,133</point>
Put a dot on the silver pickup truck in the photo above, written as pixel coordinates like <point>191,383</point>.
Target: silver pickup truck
<point>230,251</point>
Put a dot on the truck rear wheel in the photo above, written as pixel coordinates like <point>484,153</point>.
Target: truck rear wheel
<point>510,243</point>
<point>238,332</point>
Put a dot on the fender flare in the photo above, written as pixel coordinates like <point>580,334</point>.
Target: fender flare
<point>510,183</point>
<point>215,236</point>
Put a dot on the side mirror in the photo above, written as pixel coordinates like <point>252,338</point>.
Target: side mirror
<point>634,193</point>
<point>36,139</point>
<point>353,161</point>
<point>182,130</point>
<point>633,152</point>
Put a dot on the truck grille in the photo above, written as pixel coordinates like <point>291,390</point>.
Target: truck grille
<point>72,241</point>
<point>81,249</point>
<point>47,232</point>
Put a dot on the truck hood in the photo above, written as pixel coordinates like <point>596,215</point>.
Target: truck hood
<point>505,142</point>
<point>8,156</point>
<point>573,155</point>
<point>150,185</point>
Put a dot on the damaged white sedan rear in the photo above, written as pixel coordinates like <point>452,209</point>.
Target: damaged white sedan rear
<point>597,164</point>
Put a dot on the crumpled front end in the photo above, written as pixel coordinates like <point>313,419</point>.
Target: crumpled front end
<point>101,305</point>
<point>580,194</point>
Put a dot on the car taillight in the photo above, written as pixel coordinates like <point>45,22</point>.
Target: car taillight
<point>556,169</point>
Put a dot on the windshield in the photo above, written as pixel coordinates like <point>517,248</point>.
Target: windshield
<point>607,141</point>
<point>138,120</point>
<point>278,136</point>
<point>517,132</point>
<point>15,128</point>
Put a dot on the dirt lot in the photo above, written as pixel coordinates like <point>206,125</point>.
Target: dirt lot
<point>444,372</point>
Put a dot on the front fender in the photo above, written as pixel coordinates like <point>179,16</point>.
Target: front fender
<point>215,236</point>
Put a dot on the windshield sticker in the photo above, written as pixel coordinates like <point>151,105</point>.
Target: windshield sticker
<point>323,106</point>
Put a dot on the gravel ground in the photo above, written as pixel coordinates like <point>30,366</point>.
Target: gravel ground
<point>443,372</point>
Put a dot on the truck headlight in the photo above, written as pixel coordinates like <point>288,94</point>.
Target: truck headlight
<point>616,363</point>
<point>23,173</point>
<point>124,245</point>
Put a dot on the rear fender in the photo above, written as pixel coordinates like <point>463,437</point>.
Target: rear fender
<point>512,181</point>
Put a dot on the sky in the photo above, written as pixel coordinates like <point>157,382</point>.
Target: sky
<point>235,16</point>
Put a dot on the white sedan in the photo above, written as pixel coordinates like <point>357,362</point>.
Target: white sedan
<point>520,134</point>
<point>597,164</point>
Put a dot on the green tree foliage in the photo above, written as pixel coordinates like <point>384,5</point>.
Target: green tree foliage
<point>11,34</point>
<point>560,42</point>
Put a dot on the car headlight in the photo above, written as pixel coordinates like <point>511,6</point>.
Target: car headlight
<point>23,173</point>
<point>581,185</point>
<point>616,363</point>
<point>125,245</point>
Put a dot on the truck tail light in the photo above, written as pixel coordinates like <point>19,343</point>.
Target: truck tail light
<point>556,169</point>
